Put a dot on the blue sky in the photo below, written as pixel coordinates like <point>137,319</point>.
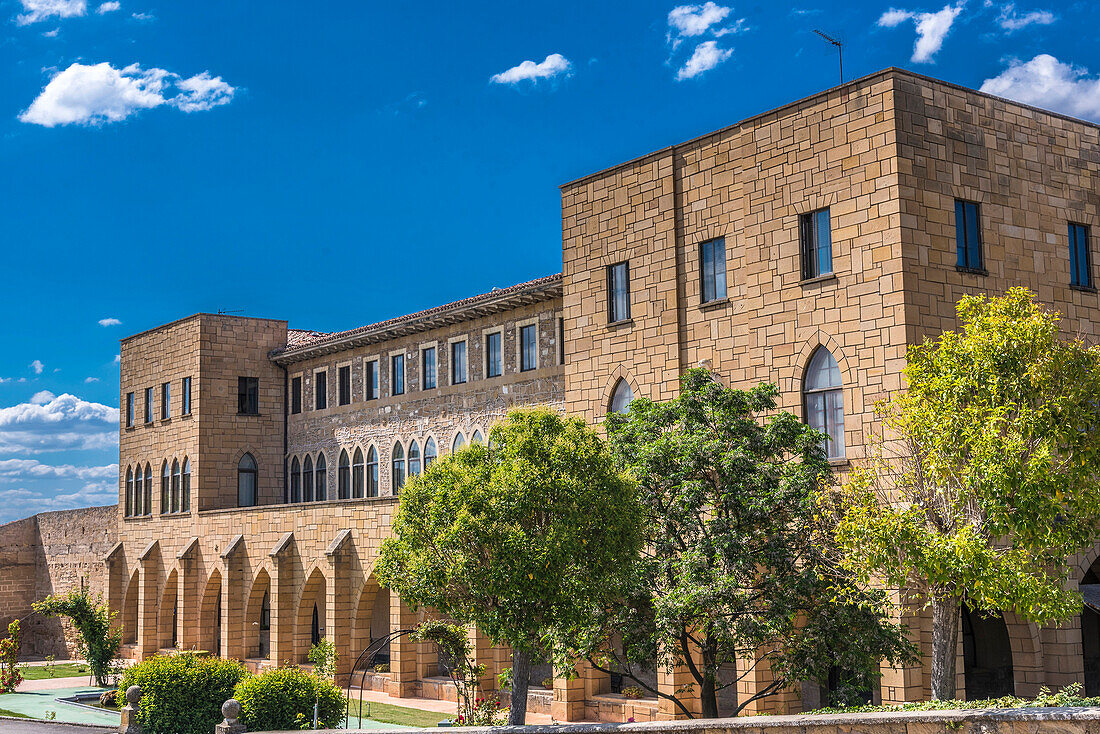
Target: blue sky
<point>339,164</point>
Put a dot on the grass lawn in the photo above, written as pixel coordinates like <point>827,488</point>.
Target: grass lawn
<point>5,712</point>
<point>387,713</point>
<point>61,670</point>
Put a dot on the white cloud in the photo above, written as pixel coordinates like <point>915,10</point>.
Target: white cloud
<point>688,21</point>
<point>39,10</point>
<point>90,380</point>
<point>21,469</point>
<point>51,34</point>
<point>118,359</point>
<point>109,322</point>
<point>707,56</point>
<point>143,16</point>
<point>1049,83</point>
<point>57,422</point>
<point>552,66</point>
<point>23,502</point>
<point>931,28</point>
<point>1011,21</point>
<point>37,366</point>
<point>99,93</point>
<point>108,7</point>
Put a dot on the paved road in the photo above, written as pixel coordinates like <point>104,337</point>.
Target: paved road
<point>30,726</point>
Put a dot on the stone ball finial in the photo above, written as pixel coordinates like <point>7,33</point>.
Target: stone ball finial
<point>133,695</point>
<point>231,709</point>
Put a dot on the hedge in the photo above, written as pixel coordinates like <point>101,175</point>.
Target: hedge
<point>181,693</point>
<point>283,699</point>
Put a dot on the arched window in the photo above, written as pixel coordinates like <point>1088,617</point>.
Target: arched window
<point>476,438</point>
<point>430,453</point>
<point>147,500</point>
<point>398,467</point>
<point>139,490</point>
<point>175,485</point>
<point>372,472</point>
<point>307,479</point>
<point>823,391</point>
<point>414,459</point>
<point>165,487</point>
<point>321,479</point>
<point>295,481</point>
<point>458,443</point>
<point>129,492</point>
<point>357,474</point>
<point>343,476</point>
<point>246,481</point>
<point>185,501</point>
<point>621,397</point>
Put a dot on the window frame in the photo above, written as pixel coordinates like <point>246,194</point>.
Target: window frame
<point>397,358</point>
<point>130,409</point>
<point>357,472</point>
<point>320,388</point>
<point>397,476</point>
<point>343,387</point>
<point>294,488</point>
<point>613,316</point>
<point>254,472</point>
<point>824,393</point>
<point>307,478</point>
<point>810,245</point>
<point>489,334</point>
<point>185,395</point>
<point>521,351</point>
<point>296,383</point>
<point>1076,251</point>
<point>963,247</point>
<point>715,270</point>
<point>371,387</point>
<point>165,401</point>
<point>185,486</point>
<point>343,475</point>
<point>370,472</point>
<point>248,395</point>
<point>320,478</point>
<point>149,405</point>
<point>453,347</point>
<point>426,370</point>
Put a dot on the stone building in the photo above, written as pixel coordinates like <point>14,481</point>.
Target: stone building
<point>808,246</point>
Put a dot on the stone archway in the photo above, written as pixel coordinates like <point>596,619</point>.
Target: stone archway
<point>257,618</point>
<point>987,656</point>
<point>1090,628</point>
<point>372,621</point>
<point>130,611</point>
<point>210,615</point>
<point>310,617</point>
<point>168,613</point>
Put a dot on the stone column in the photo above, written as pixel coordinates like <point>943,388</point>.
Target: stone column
<point>758,676</point>
<point>233,601</point>
<point>571,693</point>
<point>403,651</point>
<point>282,602</point>
<point>338,611</point>
<point>148,602</point>
<point>483,652</point>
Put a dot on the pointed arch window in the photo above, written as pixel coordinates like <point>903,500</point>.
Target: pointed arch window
<point>343,476</point>
<point>246,481</point>
<point>320,484</point>
<point>165,487</point>
<point>823,394</point>
<point>621,397</point>
<point>307,479</point>
<point>147,500</point>
<point>139,490</point>
<point>431,453</point>
<point>176,477</point>
<point>458,443</point>
<point>295,494</point>
<point>185,500</point>
<point>476,438</point>
<point>398,467</point>
<point>357,473</point>
<point>372,472</point>
<point>414,459</point>
<point>129,491</point>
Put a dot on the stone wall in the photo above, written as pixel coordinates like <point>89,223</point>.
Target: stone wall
<point>52,553</point>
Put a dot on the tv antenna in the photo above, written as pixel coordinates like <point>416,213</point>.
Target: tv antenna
<point>839,51</point>
<point>226,311</point>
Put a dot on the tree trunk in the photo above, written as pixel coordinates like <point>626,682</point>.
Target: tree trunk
<point>708,698</point>
<point>521,679</point>
<point>945,641</point>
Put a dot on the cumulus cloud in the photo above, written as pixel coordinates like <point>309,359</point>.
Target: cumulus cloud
<point>35,11</point>
<point>695,20</point>
<point>99,93</point>
<point>21,469</point>
<point>707,56</point>
<point>1049,83</point>
<point>1011,21</point>
<point>37,366</point>
<point>931,28</point>
<point>51,422</point>
<point>108,7</point>
<point>552,66</point>
<point>109,322</point>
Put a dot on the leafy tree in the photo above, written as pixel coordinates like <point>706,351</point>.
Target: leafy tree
<point>10,677</point>
<point>989,476</point>
<point>98,641</point>
<point>453,642</point>
<point>323,655</point>
<point>527,538</point>
<point>738,570</point>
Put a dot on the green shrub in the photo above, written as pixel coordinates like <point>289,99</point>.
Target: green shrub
<point>181,694</point>
<point>1068,696</point>
<point>283,699</point>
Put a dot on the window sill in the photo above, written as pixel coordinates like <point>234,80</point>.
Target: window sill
<point>971,271</point>
<point>1083,288</point>
<point>130,428</point>
<point>839,463</point>
<point>713,305</point>
<point>185,415</point>
<point>249,414</point>
<point>620,324</point>
<point>818,279</point>
<point>165,420</point>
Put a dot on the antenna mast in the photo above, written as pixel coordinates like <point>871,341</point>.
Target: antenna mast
<point>839,51</point>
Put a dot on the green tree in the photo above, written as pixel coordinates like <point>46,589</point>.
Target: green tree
<point>988,476</point>
<point>98,641</point>
<point>739,571</point>
<point>527,538</point>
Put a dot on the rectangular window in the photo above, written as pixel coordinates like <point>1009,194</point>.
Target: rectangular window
<point>185,396</point>
<point>427,367</point>
<point>148,405</point>
<point>397,375</point>
<point>968,235</point>
<point>458,362</point>
<point>129,410</point>
<point>528,347</point>
<point>494,360</point>
<point>248,395</point>
<point>618,292</point>
<point>561,341</point>
<point>816,237</point>
<point>320,391</point>
<point>343,379</point>
<point>166,401</point>
<point>296,395</point>
<point>370,379</point>
<point>1080,260</point>
<point>712,259</point>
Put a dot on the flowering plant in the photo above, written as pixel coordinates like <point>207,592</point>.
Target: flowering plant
<point>10,676</point>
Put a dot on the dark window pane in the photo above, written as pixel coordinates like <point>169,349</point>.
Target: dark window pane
<point>528,339</point>
<point>185,396</point>
<point>973,237</point>
<point>397,375</point>
<point>344,384</point>
<point>129,410</point>
<point>296,395</point>
<point>816,244</point>
<point>248,395</point>
<point>458,363</point>
<point>712,258</point>
<point>427,367</point>
<point>320,390</point>
<point>493,358</point>
<point>371,379</point>
<point>618,281</point>
<point>166,401</point>
<point>960,232</point>
<point>148,405</point>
